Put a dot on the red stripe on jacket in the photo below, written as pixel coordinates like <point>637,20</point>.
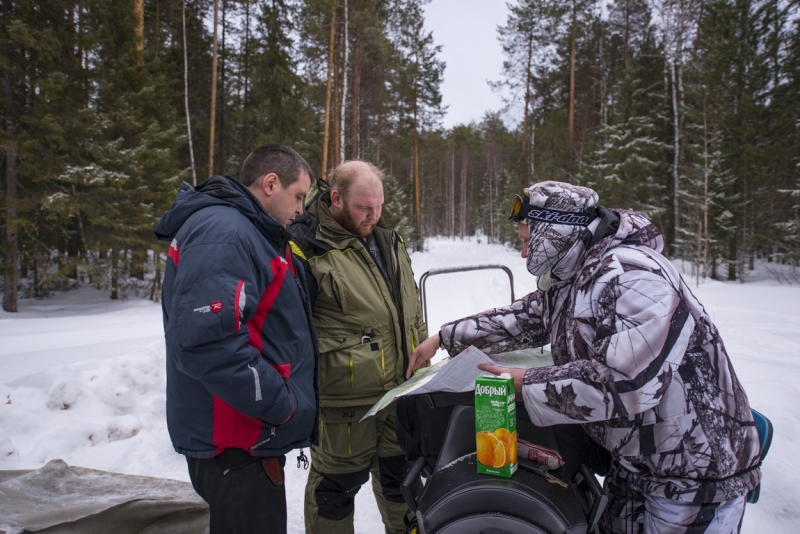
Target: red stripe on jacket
<point>237,312</point>
<point>284,369</point>
<point>233,429</point>
<point>256,324</point>
<point>289,260</point>
<point>174,252</point>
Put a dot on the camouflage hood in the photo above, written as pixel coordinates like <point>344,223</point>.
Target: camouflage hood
<point>634,230</point>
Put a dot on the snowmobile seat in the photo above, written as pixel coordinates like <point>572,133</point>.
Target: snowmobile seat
<point>456,499</point>
<point>422,423</point>
<point>765,430</point>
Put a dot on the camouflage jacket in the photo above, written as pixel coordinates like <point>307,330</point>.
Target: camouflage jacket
<point>637,361</point>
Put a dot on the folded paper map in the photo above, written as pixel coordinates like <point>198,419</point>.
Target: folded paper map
<point>458,374</point>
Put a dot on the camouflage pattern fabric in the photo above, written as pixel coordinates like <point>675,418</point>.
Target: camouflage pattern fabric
<point>631,512</point>
<point>637,361</point>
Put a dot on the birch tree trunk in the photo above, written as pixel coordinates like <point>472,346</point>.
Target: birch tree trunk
<point>676,160</point>
<point>327,127</point>
<point>417,216</point>
<point>705,192</point>
<point>355,151</point>
<point>186,94</point>
<point>213,113</point>
<point>527,100</point>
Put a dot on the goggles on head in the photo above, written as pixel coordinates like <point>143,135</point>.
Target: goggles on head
<point>522,210</point>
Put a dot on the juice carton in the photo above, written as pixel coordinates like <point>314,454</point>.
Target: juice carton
<point>496,425</point>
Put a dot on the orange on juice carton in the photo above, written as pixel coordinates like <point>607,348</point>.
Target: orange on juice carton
<point>496,425</point>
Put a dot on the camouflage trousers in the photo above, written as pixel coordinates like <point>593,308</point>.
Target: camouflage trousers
<point>636,513</point>
<point>347,454</point>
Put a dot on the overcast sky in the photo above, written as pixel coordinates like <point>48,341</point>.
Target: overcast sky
<point>467,29</point>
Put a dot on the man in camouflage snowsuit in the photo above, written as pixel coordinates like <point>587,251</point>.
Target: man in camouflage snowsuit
<point>637,362</point>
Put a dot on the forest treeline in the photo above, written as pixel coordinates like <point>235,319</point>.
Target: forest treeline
<point>687,110</point>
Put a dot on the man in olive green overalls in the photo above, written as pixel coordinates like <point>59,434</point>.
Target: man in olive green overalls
<point>369,321</point>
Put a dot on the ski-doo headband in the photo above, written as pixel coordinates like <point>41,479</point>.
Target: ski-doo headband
<point>522,209</point>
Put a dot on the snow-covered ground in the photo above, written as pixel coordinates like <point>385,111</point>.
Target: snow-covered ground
<point>82,378</point>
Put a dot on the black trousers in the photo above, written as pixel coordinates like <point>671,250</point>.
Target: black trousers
<point>576,448</point>
<point>240,497</point>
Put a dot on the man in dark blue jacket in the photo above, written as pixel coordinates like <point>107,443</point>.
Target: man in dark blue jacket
<point>241,344</point>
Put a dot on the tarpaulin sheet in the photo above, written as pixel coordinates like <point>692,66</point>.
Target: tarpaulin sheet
<point>60,498</point>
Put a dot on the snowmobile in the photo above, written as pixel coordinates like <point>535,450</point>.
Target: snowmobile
<point>437,432</point>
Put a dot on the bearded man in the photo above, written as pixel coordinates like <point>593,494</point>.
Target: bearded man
<point>369,321</point>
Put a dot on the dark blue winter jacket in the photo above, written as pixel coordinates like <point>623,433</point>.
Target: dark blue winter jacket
<point>241,345</point>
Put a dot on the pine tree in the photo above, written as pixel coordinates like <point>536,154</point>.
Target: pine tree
<point>422,72</point>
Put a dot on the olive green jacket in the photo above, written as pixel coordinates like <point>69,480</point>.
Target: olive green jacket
<point>367,326</point>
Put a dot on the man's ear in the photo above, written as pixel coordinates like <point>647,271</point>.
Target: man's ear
<point>269,183</point>
<point>336,199</point>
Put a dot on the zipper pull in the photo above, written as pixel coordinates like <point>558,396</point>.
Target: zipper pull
<point>260,443</point>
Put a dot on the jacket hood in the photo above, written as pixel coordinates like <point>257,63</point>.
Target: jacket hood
<point>634,230</point>
<point>217,191</point>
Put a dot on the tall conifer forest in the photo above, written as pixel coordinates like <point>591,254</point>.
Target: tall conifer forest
<point>685,110</point>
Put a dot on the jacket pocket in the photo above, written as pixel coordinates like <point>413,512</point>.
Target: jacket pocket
<point>343,436</point>
<point>356,367</point>
<point>296,428</point>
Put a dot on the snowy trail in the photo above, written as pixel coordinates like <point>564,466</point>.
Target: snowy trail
<point>82,378</point>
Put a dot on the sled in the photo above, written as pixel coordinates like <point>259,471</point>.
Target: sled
<point>62,498</point>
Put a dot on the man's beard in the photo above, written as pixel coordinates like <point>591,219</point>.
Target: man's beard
<point>345,218</point>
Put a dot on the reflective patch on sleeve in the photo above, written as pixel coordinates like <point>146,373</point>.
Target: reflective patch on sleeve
<point>258,383</point>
